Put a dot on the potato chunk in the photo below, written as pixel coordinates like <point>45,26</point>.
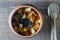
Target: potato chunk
<point>28,9</point>
<point>32,30</point>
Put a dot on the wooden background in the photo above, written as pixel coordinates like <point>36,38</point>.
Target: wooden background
<point>6,7</point>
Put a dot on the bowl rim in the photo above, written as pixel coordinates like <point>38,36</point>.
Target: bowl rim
<point>20,6</point>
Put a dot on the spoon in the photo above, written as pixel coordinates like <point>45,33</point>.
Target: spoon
<point>53,11</point>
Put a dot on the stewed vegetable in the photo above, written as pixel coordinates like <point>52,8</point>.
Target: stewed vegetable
<point>26,21</point>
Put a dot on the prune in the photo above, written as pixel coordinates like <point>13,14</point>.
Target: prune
<point>16,17</point>
<point>25,22</point>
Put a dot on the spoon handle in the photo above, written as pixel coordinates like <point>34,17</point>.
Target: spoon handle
<point>55,35</point>
<point>52,33</point>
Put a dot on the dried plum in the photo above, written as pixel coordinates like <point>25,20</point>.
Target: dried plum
<point>25,22</point>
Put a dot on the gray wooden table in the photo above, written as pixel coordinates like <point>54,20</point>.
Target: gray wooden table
<point>6,7</point>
